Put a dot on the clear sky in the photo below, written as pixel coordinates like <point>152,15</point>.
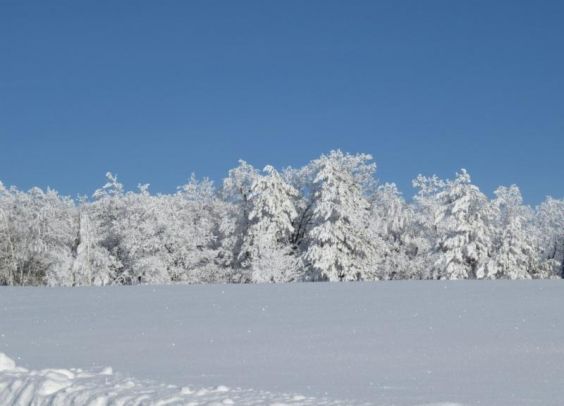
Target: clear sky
<point>155,90</point>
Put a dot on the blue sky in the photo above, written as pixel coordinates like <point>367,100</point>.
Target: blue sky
<point>156,90</point>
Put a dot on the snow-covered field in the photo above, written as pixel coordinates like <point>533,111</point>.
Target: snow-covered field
<point>394,343</point>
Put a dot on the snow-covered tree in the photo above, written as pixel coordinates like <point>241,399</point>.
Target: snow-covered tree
<point>93,264</point>
<point>391,231</point>
<point>301,180</point>
<point>338,247</point>
<point>267,250</point>
<point>515,255</point>
<point>141,230</point>
<point>550,232</point>
<point>235,219</point>
<point>194,235</point>
<point>58,236</point>
<point>359,166</point>
<point>427,210</point>
<point>107,212</point>
<point>464,234</point>
<point>8,258</point>
<point>37,236</point>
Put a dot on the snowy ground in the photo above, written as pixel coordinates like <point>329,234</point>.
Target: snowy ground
<point>72,387</point>
<point>394,343</point>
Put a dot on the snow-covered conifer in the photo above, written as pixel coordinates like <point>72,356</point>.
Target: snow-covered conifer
<point>267,250</point>
<point>338,244</point>
<point>464,235</point>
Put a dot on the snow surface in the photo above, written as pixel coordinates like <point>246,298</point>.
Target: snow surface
<point>393,343</point>
<point>61,387</point>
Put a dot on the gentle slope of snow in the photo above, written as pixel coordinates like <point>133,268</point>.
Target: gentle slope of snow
<point>406,343</point>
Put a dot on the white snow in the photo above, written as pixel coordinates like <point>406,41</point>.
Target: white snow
<point>6,363</point>
<point>497,343</point>
<point>62,387</point>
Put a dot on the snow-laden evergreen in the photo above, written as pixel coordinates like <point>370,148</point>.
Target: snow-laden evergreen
<point>267,249</point>
<point>328,220</point>
<point>338,244</point>
<point>464,244</point>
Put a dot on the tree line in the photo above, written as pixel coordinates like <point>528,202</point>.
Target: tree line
<point>327,221</point>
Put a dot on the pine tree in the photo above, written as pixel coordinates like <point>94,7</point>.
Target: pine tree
<point>464,243</point>
<point>267,250</point>
<point>338,245</point>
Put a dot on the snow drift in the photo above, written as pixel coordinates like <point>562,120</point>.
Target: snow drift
<point>61,387</point>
